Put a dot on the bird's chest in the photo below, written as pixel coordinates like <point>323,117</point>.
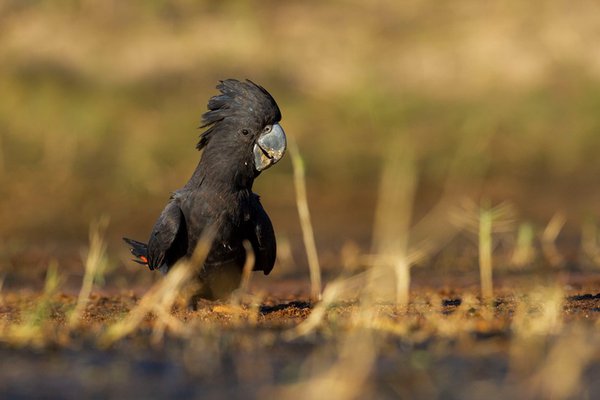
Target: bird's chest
<point>229,216</point>
<point>228,242</point>
<point>227,209</point>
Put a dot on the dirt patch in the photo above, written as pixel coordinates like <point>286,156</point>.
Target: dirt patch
<point>444,343</point>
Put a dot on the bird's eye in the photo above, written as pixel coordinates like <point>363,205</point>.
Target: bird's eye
<point>245,132</point>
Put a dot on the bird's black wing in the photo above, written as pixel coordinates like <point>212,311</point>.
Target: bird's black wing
<point>167,237</point>
<point>262,237</point>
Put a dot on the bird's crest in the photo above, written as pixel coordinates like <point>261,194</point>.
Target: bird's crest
<point>241,100</point>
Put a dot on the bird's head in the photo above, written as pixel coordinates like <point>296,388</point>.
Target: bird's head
<point>243,126</point>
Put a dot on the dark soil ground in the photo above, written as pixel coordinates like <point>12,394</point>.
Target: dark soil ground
<point>444,344</point>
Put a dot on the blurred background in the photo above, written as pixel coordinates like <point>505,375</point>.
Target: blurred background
<point>100,103</point>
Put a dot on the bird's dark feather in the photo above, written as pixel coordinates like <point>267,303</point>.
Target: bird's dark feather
<point>219,194</point>
<point>166,243</point>
<point>239,100</point>
<point>139,250</point>
<point>262,238</point>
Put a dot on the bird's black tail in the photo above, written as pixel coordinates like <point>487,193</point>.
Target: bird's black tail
<point>139,250</point>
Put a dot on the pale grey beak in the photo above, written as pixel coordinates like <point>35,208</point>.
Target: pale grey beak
<point>269,147</point>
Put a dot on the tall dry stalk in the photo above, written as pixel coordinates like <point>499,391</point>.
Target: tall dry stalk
<point>589,241</point>
<point>485,253</point>
<point>305,221</point>
<point>392,222</point>
<point>248,267</point>
<point>549,236</point>
<point>484,220</point>
<point>524,253</point>
<point>94,263</point>
<point>243,292</point>
<point>491,220</point>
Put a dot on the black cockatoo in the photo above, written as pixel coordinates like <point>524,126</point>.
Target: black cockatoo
<point>242,138</point>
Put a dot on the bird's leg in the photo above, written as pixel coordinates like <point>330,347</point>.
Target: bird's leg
<point>202,294</point>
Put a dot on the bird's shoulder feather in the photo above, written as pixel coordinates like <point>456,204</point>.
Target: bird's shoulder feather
<point>262,236</point>
<point>168,238</point>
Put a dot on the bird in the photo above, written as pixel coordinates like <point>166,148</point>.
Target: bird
<point>242,138</point>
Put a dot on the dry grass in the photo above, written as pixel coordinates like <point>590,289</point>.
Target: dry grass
<point>35,319</point>
<point>305,221</point>
<point>351,335</point>
<point>549,236</point>
<point>95,263</point>
<point>393,218</point>
<point>161,298</point>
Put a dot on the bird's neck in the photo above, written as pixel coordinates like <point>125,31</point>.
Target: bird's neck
<point>222,175</point>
